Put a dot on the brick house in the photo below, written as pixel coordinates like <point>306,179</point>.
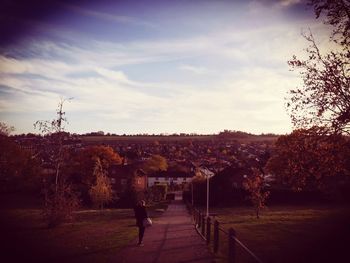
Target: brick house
<point>124,176</point>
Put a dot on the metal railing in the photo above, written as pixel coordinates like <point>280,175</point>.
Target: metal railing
<point>209,229</point>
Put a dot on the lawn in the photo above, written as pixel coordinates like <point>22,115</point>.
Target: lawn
<point>288,234</point>
<point>94,236</point>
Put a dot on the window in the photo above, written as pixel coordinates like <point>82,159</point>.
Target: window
<point>123,181</point>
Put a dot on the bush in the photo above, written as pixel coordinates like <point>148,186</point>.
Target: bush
<point>60,204</point>
<point>158,192</point>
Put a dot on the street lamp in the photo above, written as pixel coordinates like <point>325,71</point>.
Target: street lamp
<point>208,174</point>
<point>207,196</point>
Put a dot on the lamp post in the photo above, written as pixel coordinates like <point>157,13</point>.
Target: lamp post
<point>207,195</point>
<point>208,174</point>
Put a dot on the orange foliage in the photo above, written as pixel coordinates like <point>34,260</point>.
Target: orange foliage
<point>305,159</point>
<point>86,160</point>
<point>106,154</point>
<point>255,188</point>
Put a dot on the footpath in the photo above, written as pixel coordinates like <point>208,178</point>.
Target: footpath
<point>171,239</point>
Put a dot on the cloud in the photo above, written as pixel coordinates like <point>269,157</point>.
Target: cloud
<point>194,69</point>
<point>108,17</point>
<point>110,96</point>
<point>239,79</point>
<point>287,3</point>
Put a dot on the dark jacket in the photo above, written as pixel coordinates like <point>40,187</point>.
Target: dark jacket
<point>140,215</point>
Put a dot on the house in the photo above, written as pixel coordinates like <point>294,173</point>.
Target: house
<point>226,187</point>
<point>125,176</point>
<point>170,177</point>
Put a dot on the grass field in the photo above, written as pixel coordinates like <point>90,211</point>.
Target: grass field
<point>94,236</point>
<point>288,234</point>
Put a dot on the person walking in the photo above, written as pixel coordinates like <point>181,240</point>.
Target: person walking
<point>140,215</point>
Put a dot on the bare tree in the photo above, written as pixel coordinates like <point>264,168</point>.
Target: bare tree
<point>60,200</point>
<point>55,127</point>
<point>324,99</point>
<point>5,129</point>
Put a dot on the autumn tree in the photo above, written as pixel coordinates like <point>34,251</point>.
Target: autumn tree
<point>155,163</point>
<point>86,161</point>
<point>101,191</point>
<point>324,99</point>
<point>255,186</point>
<point>306,160</point>
<point>18,170</point>
<point>60,199</point>
<point>83,166</point>
<point>106,154</point>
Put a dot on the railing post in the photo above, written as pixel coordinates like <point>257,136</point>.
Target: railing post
<point>208,230</point>
<point>199,219</point>
<point>216,236</point>
<point>231,245</point>
<point>203,225</point>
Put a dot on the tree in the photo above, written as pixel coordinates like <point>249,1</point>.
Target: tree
<point>101,191</point>
<point>60,199</point>
<point>324,99</point>
<point>155,163</point>
<point>158,192</point>
<point>106,154</point>
<point>55,129</point>
<point>338,15</point>
<point>306,160</point>
<point>83,165</point>
<point>5,130</point>
<point>18,170</point>
<point>86,161</point>
<point>255,187</point>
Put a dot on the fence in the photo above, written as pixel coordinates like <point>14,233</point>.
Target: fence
<point>216,237</point>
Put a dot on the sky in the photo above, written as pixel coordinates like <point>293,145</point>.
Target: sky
<point>167,66</point>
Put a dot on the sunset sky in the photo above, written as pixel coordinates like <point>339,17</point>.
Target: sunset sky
<point>152,66</point>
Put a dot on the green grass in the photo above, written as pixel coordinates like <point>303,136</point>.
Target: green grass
<point>94,236</point>
<point>288,234</point>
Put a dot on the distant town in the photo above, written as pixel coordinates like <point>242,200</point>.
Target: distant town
<point>185,149</point>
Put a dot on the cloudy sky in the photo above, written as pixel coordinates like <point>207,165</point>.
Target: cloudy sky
<point>152,66</point>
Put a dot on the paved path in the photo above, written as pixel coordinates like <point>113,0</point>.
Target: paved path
<point>172,238</point>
